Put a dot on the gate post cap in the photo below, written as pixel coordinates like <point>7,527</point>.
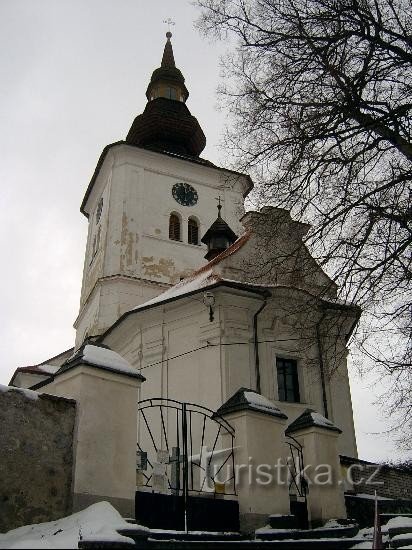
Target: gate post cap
<point>247,399</point>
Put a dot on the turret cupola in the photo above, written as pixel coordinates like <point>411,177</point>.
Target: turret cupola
<point>167,81</point>
<point>166,123</point>
<point>218,237</point>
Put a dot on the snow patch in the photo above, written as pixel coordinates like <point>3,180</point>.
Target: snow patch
<point>29,394</point>
<point>367,496</point>
<point>260,402</point>
<point>48,369</point>
<point>104,357</point>
<point>97,522</point>
<point>399,521</point>
<point>184,287</point>
<point>320,420</point>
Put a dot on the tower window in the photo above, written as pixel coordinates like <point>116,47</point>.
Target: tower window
<point>192,231</point>
<point>174,227</point>
<point>288,382</point>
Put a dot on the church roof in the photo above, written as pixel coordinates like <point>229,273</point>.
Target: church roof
<point>46,368</point>
<point>208,278</point>
<point>202,278</point>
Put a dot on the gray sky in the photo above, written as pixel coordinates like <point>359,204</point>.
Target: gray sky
<point>73,75</point>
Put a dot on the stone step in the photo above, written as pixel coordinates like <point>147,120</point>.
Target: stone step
<point>345,531</point>
<point>161,534</point>
<point>404,539</point>
<point>153,544</point>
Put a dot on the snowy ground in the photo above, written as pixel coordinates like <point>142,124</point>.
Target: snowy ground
<point>99,521</point>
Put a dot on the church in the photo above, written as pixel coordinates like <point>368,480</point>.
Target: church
<point>209,365</point>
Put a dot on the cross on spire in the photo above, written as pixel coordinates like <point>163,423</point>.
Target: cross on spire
<point>169,22</point>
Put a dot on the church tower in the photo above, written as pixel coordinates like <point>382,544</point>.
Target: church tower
<point>150,200</point>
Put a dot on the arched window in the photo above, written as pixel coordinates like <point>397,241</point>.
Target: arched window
<point>174,227</point>
<point>192,231</point>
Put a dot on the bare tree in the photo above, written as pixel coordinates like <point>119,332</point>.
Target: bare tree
<point>320,97</point>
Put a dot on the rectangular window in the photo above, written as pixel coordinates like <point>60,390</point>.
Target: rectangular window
<point>288,382</point>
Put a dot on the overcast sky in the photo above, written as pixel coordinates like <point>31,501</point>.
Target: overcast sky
<point>73,75</point>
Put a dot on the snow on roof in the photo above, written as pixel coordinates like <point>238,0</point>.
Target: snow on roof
<point>30,394</point>
<point>103,357</point>
<point>41,370</point>
<point>258,401</point>
<point>319,420</point>
<point>97,522</point>
<point>201,278</point>
<point>190,284</point>
<point>48,369</point>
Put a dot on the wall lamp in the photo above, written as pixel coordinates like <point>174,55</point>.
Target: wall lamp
<point>209,301</point>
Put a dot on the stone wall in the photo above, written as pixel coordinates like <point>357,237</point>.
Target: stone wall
<point>388,481</point>
<point>36,457</point>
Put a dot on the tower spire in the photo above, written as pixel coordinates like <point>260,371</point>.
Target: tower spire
<point>166,123</point>
<point>168,59</point>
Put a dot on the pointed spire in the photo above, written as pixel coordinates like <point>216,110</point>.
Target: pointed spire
<point>167,80</point>
<point>168,60</point>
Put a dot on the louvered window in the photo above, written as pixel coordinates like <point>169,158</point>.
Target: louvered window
<point>192,231</point>
<point>174,227</point>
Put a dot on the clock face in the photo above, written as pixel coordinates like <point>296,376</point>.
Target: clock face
<point>184,194</point>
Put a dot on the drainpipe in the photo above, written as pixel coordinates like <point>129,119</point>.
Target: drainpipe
<point>256,343</point>
<point>322,366</point>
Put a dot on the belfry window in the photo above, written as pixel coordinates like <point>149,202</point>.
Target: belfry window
<point>174,227</point>
<point>288,382</point>
<point>192,231</point>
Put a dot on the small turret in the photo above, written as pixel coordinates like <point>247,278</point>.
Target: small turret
<point>218,237</point>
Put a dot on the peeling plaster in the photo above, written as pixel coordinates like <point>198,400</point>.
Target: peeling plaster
<point>127,241</point>
<point>164,268</point>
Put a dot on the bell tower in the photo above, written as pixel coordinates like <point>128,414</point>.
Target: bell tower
<point>150,200</point>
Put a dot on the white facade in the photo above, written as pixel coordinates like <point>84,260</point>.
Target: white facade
<point>129,257</point>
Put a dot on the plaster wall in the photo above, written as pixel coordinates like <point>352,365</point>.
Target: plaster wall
<point>136,187</point>
<point>106,435</point>
<point>186,357</point>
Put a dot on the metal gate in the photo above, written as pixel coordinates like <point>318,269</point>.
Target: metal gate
<point>184,454</point>
<point>298,486</point>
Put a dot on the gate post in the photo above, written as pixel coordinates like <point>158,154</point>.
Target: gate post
<point>260,457</point>
<point>106,428</point>
<point>318,437</point>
